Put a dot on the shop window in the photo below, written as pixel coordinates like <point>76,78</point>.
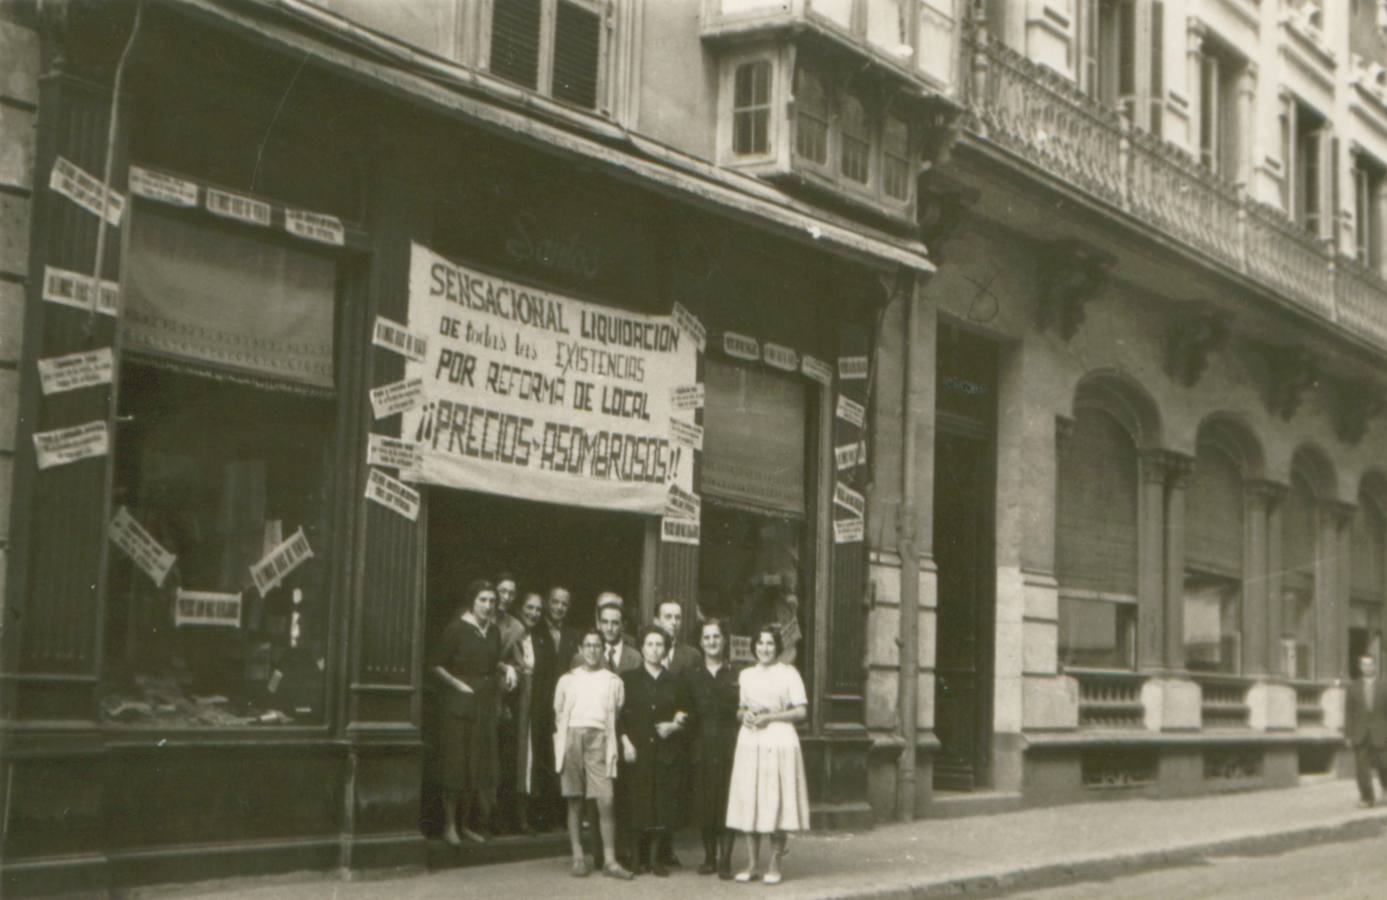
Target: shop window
<point>855,141</point>
<point>811,118</point>
<point>1368,585</point>
<point>753,559</point>
<point>222,454</point>
<point>1096,542</point>
<point>751,108</point>
<point>1214,561</point>
<point>1298,580</point>
<point>554,46</point>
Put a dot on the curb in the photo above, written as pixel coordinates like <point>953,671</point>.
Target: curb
<point>1100,868</point>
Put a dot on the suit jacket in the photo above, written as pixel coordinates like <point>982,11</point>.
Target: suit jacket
<point>630,658</point>
<point>551,662</point>
<point>1366,717</point>
<point>685,658</point>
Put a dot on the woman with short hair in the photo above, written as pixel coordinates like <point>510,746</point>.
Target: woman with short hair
<point>467,661</point>
<point>714,693</point>
<point>769,794</point>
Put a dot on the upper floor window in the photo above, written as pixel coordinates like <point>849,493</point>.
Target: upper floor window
<point>1122,58</point>
<point>557,47</point>
<point>811,118</point>
<point>1220,137</point>
<point>856,145</point>
<point>895,158</point>
<point>1308,157</point>
<point>1368,175</point>
<point>751,108</point>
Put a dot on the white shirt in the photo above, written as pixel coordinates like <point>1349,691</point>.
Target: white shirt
<point>589,690</point>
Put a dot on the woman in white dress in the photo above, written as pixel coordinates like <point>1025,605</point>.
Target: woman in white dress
<point>769,794</point>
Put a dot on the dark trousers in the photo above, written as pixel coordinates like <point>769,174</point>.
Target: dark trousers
<point>1366,758</point>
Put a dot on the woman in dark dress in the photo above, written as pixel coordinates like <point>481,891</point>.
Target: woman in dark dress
<point>468,663</point>
<point>714,693</point>
<point>652,725</point>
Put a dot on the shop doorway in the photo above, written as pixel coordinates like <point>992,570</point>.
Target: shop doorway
<point>964,537</point>
<point>474,535</point>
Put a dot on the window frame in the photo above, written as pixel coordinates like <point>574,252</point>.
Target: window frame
<point>1128,612</point>
<point>548,31</point>
<point>776,153</point>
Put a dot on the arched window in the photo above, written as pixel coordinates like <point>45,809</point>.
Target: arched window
<point>1214,562</point>
<point>1298,580</point>
<point>1096,542</point>
<point>855,140</point>
<point>811,117</point>
<point>1368,586</point>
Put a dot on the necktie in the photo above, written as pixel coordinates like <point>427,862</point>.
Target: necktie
<point>611,659</point>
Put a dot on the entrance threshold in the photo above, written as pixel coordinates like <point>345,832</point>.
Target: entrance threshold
<point>961,804</point>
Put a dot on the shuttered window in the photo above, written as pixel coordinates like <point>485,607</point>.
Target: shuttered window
<point>1097,507</point>
<point>553,46</point>
<point>1214,531</point>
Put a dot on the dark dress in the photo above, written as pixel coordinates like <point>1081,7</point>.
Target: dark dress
<point>714,741</point>
<point>467,736</point>
<point>653,784</point>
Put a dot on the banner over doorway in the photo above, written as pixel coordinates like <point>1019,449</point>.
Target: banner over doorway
<point>542,397</point>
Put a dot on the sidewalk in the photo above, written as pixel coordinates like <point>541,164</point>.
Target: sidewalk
<point>929,858</point>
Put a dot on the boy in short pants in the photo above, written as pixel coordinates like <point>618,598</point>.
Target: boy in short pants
<point>586,702</point>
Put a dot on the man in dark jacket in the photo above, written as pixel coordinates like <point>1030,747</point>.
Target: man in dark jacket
<point>555,645</point>
<point>1366,728</point>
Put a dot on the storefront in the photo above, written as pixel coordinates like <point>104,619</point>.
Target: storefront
<point>354,370</point>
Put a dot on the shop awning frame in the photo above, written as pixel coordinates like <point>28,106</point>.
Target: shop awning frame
<point>646,163</point>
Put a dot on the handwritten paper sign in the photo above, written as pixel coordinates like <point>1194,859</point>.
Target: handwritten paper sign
<point>682,504</point>
<point>238,207</point>
<point>393,494</point>
<point>76,290</point>
<point>849,499</point>
<point>739,346</point>
<point>850,410</point>
<point>687,396</point>
<point>686,434</point>
<point>849,455</point>
<point>690,325</point>
<point>320,227</point>
<point>74,183</point>
<point>816,369</point>
<point>778,357</point>
<point>396,337</point>
<point>279,562</point>
<point>67,445</point>
<point>852,368</point>
<point>76,370</point>
<point>164,188</point>
<point>390,399</point>
<point>138,544</point>
<point>383,450</point>
<point>206,608</point>
<point>536,395</point>
<point>679,531</point>
<point>848,531</point>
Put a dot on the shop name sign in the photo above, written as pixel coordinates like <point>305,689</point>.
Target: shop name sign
<point>534,395</point>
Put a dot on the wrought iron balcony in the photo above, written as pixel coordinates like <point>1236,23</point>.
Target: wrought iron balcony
<point>1041,118</point>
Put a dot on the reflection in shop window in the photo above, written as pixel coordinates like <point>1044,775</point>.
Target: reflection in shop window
<point>752,567</point>
<point>1097,633</point>
<point>1212,623</point>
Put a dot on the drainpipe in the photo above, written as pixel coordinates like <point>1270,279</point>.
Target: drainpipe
<point>909,679</point>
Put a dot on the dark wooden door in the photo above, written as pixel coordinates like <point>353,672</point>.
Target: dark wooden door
<point>963,538</point>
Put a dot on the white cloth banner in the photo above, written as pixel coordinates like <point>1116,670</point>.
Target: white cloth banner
<point>538,396</point>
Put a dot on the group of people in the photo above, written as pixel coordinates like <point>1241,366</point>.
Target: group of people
<point>649,733</point>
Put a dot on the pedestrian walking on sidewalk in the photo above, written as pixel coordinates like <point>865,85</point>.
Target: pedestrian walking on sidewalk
<point>1366,728</point>
<point>714,691</point>
<point>587,701</point>
<point>769,794</point>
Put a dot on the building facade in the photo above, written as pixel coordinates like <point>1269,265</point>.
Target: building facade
<point>1104,469</point>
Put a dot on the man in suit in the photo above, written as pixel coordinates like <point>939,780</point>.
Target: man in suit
<point>555,645</point>
<point>669,615</point>
<point>1366,728</point>
<point>618,655</point>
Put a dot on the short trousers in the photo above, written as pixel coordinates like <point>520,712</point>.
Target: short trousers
<point>584,772</point>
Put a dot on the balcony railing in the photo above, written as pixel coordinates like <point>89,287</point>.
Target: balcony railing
<point>1042,118</point>
<point>1223,703</point>
<point>1308,710</point>
<point>1110,699</point>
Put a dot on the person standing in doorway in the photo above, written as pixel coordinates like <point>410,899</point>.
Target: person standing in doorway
<point>669,615</point>
<point>1366,728</point>
<point>654,728</point>
<point>507,728</point>
<point>523,660</point>
<point>555,647</point>
<point>713,691</point>
<point>587,703</point>
<point>617,654</point>
<point>468,663</point>
<point>769,794</point>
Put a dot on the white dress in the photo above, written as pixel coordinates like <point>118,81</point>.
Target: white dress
<point>769,792</point>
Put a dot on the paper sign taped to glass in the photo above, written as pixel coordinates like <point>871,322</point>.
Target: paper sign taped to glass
<point>279,562</point>
<point>76,370</point>
<point>141,546</point>
<point>542,397</point>
<point>206,608</point>
<point>67,445</point>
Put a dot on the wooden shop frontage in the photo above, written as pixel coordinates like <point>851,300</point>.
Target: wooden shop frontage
<point>359,342</point>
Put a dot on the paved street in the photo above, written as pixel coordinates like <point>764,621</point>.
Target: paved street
<point>1353,870</point>
<point>1029,850</point>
